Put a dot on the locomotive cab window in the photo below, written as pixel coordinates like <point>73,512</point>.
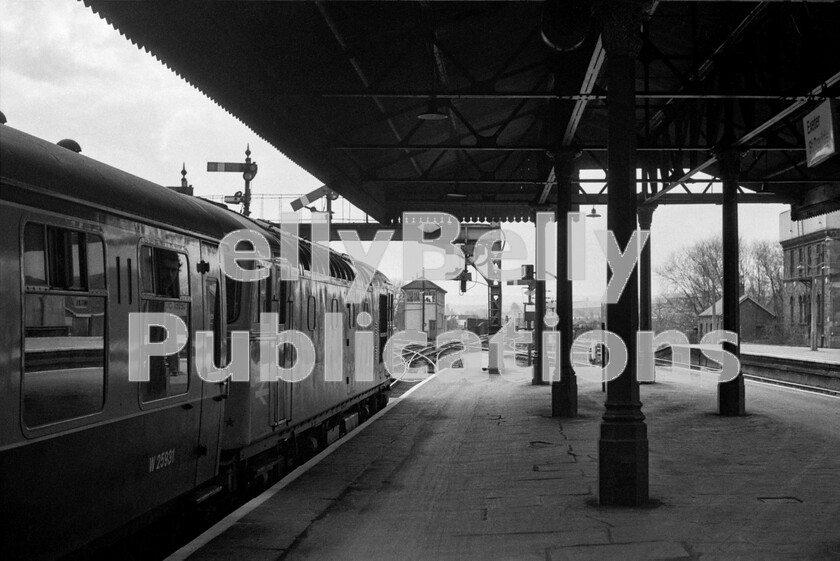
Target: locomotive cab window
<point>165,287</point>
<point>64,324</point>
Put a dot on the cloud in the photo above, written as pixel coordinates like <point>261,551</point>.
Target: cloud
<point>48,42</point>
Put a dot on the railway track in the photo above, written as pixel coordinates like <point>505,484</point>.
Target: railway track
<point>580,357</point>
<point>793,385</point>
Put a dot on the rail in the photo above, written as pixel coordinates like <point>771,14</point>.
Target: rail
<point>270,207</point>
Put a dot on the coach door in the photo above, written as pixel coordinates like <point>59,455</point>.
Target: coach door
<point>384,324</point>
<point>280,392</point>
<point>212,402</point>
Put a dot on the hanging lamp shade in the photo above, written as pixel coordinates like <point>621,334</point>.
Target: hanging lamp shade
<point>432,113</point>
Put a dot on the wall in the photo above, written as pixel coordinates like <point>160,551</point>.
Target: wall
<point>812,255</point>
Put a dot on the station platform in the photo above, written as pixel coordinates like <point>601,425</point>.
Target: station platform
<point>472,466</point>
<point>804,354</point>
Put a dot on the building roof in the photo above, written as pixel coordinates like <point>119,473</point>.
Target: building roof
<point>818,227</point>
<point>718,307</point>
<point>423,284</point>
<point>340,88</point>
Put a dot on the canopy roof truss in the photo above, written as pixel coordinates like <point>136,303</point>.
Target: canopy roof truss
<point>338,87</point>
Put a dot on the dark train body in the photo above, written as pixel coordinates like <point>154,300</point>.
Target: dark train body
<point>84,451</point>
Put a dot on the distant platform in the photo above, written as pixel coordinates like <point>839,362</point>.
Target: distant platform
<point>831,356</point>
<point>471,466</point>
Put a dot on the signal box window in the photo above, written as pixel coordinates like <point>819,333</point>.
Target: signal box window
<point>165,286</point>
<point>64,324</point>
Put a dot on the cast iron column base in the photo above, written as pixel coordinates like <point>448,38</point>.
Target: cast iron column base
<point>564,396</point>
<point>732,398</point>
<point>623,461</point>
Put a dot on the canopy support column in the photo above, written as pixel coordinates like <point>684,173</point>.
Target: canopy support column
<point>564,391</point>
<point>539,318</point>
<point>623,446</point>
<point>731,395</point>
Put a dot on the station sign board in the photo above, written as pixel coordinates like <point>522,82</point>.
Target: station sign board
<point>820,126</point>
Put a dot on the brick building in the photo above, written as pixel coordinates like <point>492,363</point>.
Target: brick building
<point>425,305</point>
<point>756,320</point>
<point>812,277</point>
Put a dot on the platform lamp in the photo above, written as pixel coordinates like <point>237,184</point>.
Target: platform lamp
<point>432,113</point>
<point>593,213</point>
<point>826,274</point>
<point>809,282</point>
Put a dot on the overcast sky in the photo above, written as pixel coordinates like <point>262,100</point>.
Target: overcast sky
<point>65,73</point>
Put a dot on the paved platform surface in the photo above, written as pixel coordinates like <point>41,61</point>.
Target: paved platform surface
<point>472,466</point>
<point>831,356</point>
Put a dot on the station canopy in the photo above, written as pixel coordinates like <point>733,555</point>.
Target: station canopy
<point>459,106</point>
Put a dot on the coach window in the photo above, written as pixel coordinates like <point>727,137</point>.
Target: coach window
<point>214,306</point>
<point>279,297</point>
<point>351,316</point>
<point>64,324</point>
<point>165,289</point>
<point>233,295</point>
<point>290,309</point>
<point>311,313</point>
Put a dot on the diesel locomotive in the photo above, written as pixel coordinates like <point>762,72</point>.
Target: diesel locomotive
<point>83,450</point>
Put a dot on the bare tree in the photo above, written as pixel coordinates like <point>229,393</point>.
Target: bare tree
<point>672,311</point>
<point>764,273</point>
<point>695,274</point>
<point>399,311</point>
<point>694,279</point>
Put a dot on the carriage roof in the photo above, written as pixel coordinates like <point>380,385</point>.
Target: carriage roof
<point>51,170</point>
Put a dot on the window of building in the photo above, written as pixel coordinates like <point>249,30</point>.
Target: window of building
<point>165,286</point>
<point>64,324</point>
<point>807,307</point>
<point>801,315</point>
<point>819,310</point>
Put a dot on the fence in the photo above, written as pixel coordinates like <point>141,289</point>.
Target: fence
<point>269,207</point>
